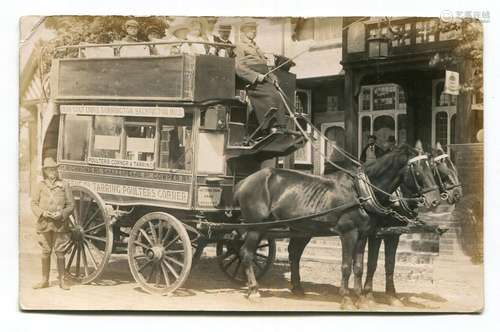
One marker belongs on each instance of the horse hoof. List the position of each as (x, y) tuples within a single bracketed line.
[(394, 301), (363, 303), (347, 304), (298, 291), (254, 296), (370, 298)]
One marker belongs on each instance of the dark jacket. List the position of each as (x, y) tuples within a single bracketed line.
[(379, 152), (52, 197)]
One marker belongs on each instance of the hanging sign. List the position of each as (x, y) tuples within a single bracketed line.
[(452, 83)]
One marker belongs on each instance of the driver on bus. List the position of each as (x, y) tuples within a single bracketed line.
[(251, 66)]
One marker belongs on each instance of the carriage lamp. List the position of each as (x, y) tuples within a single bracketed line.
[(378, 45)]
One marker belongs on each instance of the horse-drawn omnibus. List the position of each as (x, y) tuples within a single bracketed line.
[(152, 146)]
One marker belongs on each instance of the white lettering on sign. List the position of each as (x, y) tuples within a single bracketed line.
[(176, 196), (121, 162), (160, 111), (209, 196)]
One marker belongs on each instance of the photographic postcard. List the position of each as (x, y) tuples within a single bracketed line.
[(295, 164)]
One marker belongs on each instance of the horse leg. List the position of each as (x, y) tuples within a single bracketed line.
[(247, 254), (295, 249), (358, 271), (349, 241), (373, 251), (390, 248)]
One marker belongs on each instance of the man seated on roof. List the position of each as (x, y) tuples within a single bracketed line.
[(131, 28), (209, 27), (251, 66)]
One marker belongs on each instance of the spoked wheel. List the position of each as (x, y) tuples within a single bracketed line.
[(159, 253), (230, 261), (91, 239)]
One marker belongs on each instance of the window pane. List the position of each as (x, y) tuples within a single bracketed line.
[(336, 136), (383, 127), (175, 143), (140, 139), (402, 98), (444, 99), (384, 98), (76, 140), (452, 128), (365, 99), (365, 130), (402, 129), (107, 140), (441, 128)]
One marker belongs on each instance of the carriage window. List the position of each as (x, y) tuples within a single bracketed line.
[(140, 139), (107, 137), (175, 143), (76, 137)]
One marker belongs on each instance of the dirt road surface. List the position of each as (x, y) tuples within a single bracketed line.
[(209, 289)]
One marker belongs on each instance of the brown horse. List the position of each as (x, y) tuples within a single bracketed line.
[(283, 194), (446, 177)]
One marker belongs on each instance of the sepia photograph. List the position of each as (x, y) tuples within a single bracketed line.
[(251, 163)]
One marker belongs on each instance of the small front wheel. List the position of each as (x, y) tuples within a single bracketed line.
[(159, 253)]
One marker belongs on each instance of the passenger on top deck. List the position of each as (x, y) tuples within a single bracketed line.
[(131, 27), (154, 35), (210, 23), (223, 38), (196, 34), (179, 33)]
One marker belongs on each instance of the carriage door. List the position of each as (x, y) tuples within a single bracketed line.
[(335, 133), (444, 110), (382, 112)]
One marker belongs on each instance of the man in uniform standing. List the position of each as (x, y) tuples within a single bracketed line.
[(251, 66), (52, 204)]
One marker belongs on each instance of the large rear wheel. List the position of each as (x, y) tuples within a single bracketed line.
[(159, 253)]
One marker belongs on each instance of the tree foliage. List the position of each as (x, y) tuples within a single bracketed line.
[(469, 48), (73, 30)]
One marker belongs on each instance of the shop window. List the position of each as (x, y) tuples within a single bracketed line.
[(444, 99), (365, 129), (140, 139), (76, 137), (107, 137), (402, 126), (175, 143), (452, 128), (384, 97), (441, 125), (365, 99), (383, 127), (336, 136)]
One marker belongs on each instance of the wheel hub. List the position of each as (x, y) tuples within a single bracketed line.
[(156, 253), (77, 233)]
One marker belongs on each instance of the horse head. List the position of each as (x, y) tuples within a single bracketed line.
[(446, 176), (418, 177)]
